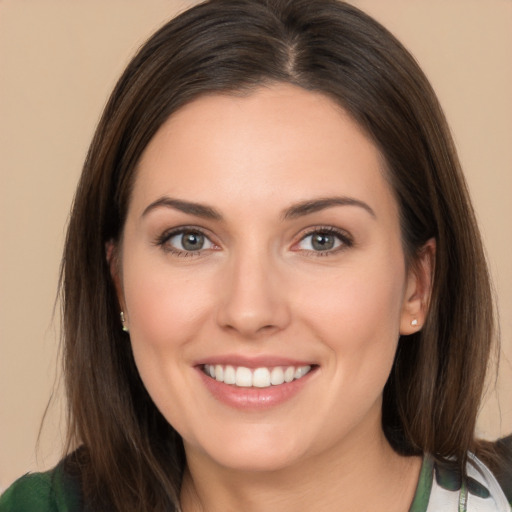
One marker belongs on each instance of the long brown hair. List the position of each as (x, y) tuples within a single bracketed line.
[(132, 458)]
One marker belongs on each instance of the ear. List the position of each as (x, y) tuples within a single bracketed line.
[(112, 255), (418, 289)]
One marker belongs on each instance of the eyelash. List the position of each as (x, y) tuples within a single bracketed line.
[(164, 238), (343, 237)]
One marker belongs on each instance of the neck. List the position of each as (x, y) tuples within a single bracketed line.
[(362, 474)]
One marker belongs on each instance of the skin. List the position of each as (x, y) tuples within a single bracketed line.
[(259, 288)]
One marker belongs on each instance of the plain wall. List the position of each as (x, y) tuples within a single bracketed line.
[(59, 61)]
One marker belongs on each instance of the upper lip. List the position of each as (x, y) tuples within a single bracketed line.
[(263, 361)]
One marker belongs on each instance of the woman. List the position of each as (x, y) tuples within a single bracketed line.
[(271, 279)]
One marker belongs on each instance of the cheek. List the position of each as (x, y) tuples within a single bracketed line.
[(357, 313), (166, 312), (367, 296), (163, 304)]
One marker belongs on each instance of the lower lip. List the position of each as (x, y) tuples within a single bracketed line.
[(254, 398)]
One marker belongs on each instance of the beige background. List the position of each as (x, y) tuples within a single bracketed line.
[(59, 60)]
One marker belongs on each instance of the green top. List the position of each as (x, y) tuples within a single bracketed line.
[(440, 489), (52, 491)]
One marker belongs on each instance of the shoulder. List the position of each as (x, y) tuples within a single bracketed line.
[(51, 491), (30, 492), (478, 472), (503, 470), (481, 489)]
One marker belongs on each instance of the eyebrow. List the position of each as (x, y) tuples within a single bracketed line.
[(295, 211), (316, 205), (197, 209)]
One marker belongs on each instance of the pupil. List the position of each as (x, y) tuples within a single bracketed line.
[(322, 242), (192, 241)]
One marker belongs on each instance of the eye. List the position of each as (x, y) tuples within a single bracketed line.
[(185, 242), (324, 240)]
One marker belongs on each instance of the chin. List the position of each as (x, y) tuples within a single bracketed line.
[(257, 462), (252, 454)]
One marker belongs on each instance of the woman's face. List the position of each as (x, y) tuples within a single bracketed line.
[(262, 277)]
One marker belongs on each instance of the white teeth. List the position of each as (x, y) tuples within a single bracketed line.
[(276, 376), (243, 377), (229, 375), (289, 374), (259, 377), (301, 371)]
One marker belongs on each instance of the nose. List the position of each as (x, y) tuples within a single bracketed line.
[(253, 300)]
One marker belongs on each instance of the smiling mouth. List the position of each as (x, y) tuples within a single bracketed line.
[(240, 376)]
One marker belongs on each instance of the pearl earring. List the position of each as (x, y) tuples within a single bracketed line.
[(414, 322), (123, 321)]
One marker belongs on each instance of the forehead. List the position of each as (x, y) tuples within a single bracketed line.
[(279, 142)]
